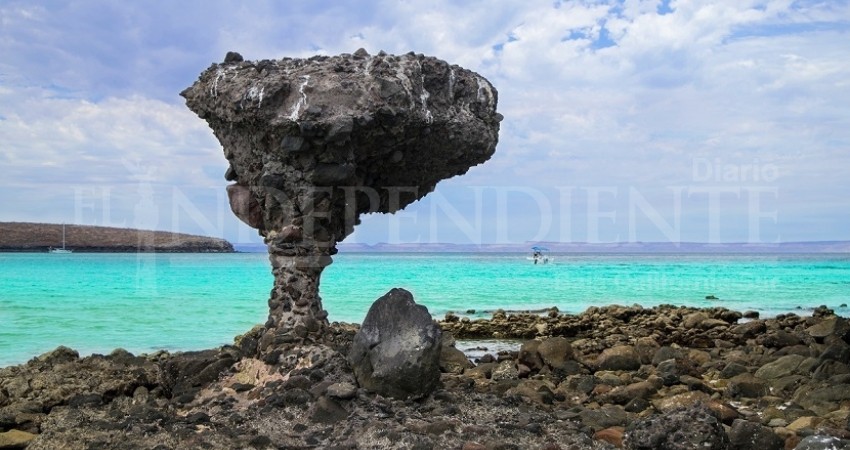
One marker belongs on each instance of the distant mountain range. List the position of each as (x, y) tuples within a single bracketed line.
[(583, 247), (39, 237)]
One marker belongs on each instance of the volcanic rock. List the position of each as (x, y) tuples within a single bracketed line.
[(622, 357), (192, 400), (555, 352), (746, 435), (747, 385), (684, 429), (396, 352), (313, 143), (13, 439)]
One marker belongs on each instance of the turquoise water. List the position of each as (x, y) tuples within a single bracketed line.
[(145, 302)]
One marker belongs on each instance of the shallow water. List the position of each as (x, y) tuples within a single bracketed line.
[(145, 302)]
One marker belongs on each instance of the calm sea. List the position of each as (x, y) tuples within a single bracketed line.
[(97, 302)]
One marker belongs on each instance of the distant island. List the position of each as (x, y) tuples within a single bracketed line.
[(40, 237)]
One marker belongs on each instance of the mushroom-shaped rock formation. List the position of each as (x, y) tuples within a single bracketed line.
[(313, 143)]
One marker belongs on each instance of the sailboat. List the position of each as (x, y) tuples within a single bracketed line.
[(63, 249)]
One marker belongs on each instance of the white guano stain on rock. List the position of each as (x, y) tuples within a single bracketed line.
[(302, 100), (255, 94), (485, 94)]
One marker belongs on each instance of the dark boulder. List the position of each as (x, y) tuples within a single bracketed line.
[(621, 357), (746, 385), (692, 428), (396, 352), (746, 435), (555, 352)]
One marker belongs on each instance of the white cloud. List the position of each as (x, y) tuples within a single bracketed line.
[(56, 140), (594, 93)]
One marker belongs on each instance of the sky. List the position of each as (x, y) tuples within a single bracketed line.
[(653, 121)]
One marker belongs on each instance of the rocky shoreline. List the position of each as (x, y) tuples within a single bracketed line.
[(611, 377)]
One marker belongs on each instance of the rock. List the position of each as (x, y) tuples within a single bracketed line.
[(698, 357), (244, 205), (637, 405), (837, 352), (529, 356), (781, 339), (821, 399), (782, 367), (806, 422), (829, 369), (708, 324), (621, 357), (669, 371), (60, 355), (537, 391), (680, 401), (14, 439), (327, 411), (85, 400), (453, 360), (185, 373), (506, 370), (693, 320), (396, 352), (298, 382), (233, 57), (729, 316), (821, 442), (605, 417), (198, 417), (749, 330), (555, 352), (481, 371), (317, 142), (646, 347), (666, 353), (682, 429), (723, 411), (579, 383), (612, 435), (624, 394), (732, 369), (344, 390), (777, 422), (831, 326), (746, 385), (746, 435)]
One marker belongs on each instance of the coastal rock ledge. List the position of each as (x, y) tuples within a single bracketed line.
[(703, 379)]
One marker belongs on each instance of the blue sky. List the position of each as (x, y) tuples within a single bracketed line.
[(709, 121)]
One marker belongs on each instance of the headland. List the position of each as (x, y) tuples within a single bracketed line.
[(40, 237)]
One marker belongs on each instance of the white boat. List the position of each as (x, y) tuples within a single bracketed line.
[(63, 249), (540, 255)]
